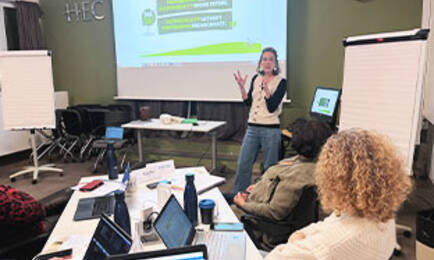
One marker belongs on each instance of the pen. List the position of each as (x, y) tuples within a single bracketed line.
[(176, 187)]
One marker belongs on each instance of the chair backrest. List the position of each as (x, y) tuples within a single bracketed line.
[(267, 233), (306, 210), (85, 119), (71, 120)]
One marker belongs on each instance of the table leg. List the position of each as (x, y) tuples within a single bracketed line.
[(139, 144), (213, 150)]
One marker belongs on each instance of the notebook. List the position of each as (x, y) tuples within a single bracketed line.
[(108, 239), (89, 208), (176, 230), (197, 252)]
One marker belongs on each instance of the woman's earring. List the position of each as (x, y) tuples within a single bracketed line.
[(275, 69)]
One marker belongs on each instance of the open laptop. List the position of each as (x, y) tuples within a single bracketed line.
[(176, 230), (108, 239), (89, 208), (325, 104), (197, 252), (114, 133)]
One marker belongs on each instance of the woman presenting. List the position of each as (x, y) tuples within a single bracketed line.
[(265, 96)]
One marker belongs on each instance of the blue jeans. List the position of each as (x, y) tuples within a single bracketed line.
[(256, 137)]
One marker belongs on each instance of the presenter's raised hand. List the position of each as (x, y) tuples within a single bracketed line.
[(241, 82), (240, 79)]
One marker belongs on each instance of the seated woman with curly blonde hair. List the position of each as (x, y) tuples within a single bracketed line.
[(362, 180)]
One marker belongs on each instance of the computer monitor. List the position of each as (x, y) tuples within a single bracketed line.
[(197, 252), (324, 104), (108, 239)]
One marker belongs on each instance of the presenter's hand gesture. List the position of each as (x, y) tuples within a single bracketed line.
[(240, 79)]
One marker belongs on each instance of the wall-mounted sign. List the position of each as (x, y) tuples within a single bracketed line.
[(86, 10)]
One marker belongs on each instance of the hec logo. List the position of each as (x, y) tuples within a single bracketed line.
[(86, 10)]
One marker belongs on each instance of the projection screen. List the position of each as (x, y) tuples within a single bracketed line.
[(189, 49)]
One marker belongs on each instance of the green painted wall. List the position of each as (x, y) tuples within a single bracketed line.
[(83, 53), (316, 31), (84, 63)]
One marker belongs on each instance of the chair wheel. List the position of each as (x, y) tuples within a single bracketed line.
[(13, 179), (61, 174), (407, 233), (34, 181), (397, 252)]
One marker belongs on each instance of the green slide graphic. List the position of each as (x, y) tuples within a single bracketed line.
[(213, 49), (325, 111)]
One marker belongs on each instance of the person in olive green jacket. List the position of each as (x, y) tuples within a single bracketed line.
[(280, 188)]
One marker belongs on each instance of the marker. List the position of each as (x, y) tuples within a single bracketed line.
[(176, 187)]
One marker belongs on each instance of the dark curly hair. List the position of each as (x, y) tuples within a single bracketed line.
[(308, 138)]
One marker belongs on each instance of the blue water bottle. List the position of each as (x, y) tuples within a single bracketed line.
[(122, 217), (190, 199), (112, 166)]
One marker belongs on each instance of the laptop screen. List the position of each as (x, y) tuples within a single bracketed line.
[(112, 132), (324, 103), (108, 239), (173, 225), (197, 252)]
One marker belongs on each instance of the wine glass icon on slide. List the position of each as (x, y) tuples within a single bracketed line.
[(148, 19)]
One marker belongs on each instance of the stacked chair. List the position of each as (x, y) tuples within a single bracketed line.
[(80, 129)]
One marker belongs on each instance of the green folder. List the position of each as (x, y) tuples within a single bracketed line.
[(189, 121)]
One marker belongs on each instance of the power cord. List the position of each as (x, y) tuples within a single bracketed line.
[(147, 224)]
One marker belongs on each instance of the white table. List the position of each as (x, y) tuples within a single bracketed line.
[(155, 124), (66, 227)]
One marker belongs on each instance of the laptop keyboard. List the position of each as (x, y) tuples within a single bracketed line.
[(102, 205), (216, 243)]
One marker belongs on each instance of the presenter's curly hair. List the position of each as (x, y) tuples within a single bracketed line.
[(276, 69), (360, 173)]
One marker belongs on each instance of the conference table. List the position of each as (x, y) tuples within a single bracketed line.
[(202, 126), (77, 234)]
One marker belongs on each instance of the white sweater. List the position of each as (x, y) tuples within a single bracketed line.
[(341, 238)]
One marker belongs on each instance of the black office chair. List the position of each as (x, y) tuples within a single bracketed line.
[(304, 213), (72, 127)]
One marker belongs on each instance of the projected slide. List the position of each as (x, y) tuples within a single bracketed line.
[(179, 33)]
